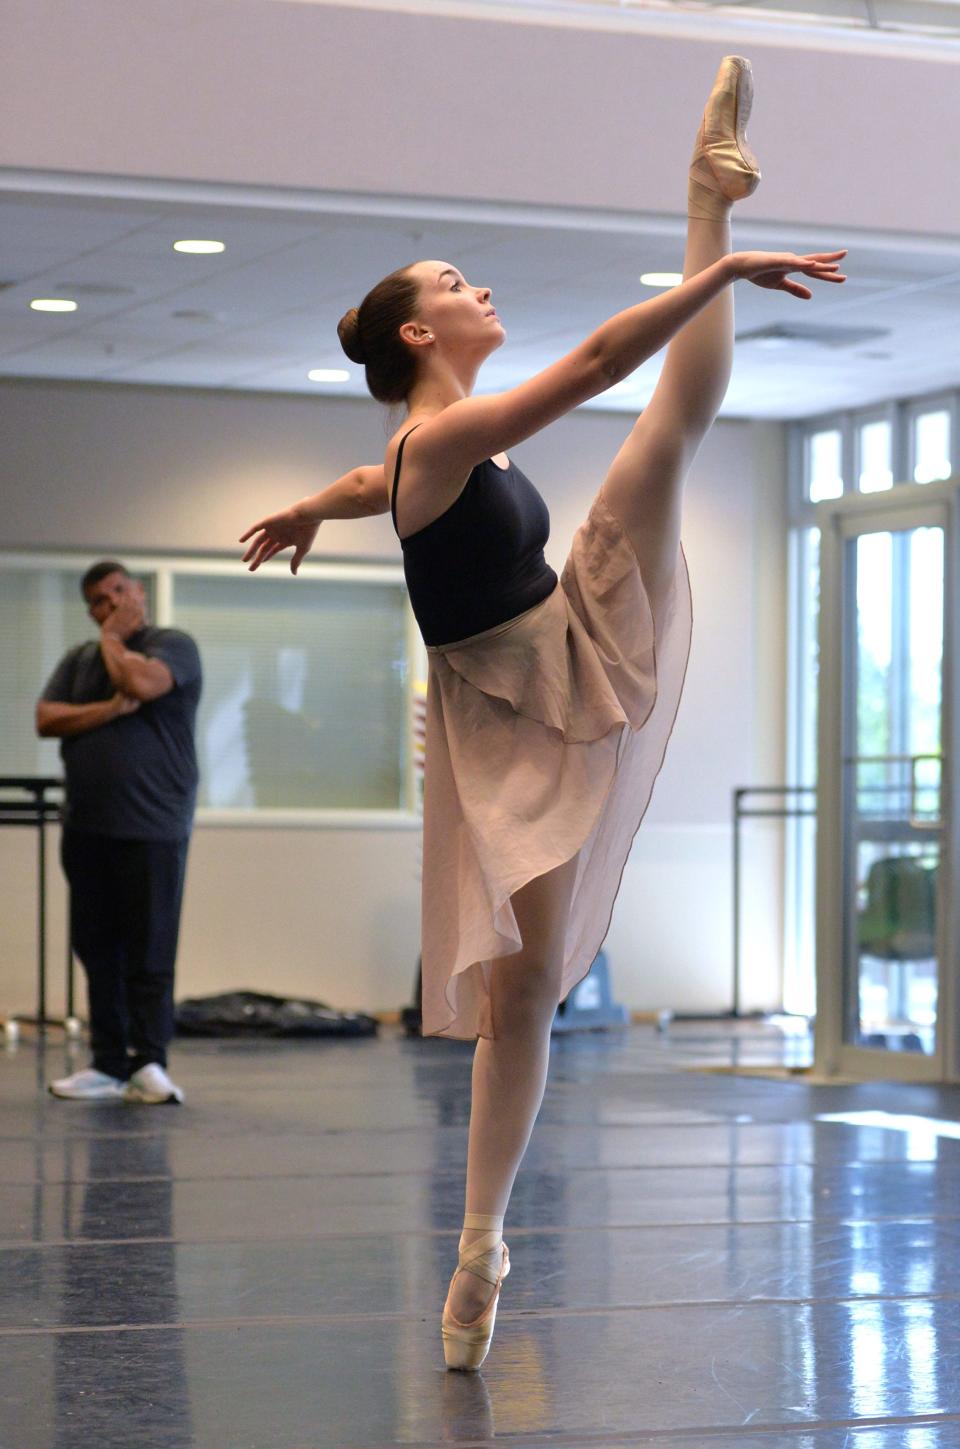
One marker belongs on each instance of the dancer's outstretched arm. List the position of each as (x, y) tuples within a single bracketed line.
[(475, 428), (361, 493)]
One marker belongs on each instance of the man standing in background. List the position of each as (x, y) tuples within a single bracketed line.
[(124, 708)]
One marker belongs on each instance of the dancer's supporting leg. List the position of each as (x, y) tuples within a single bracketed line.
[(645, 484), (643, 490), (510, 1070)]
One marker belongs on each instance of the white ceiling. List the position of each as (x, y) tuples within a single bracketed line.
[(909, 25), (263, 313)]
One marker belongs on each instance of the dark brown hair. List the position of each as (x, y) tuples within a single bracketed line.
[(370, 336), (99, 571)]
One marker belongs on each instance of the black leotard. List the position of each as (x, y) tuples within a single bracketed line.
[(481, 562)]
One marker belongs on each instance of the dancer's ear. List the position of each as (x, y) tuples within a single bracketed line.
[(416, 335)]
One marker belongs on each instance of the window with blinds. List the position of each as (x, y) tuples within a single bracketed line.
[(306, 681), (42, 615), (305, 688)]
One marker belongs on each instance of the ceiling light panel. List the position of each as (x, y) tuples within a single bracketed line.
[(244, 234), (53, 304), (200, 248)]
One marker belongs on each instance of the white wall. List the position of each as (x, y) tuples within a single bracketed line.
[(278, 94), (335, 913), (281, 94)]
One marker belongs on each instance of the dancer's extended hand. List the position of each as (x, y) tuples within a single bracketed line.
[(281, 530), (772, 269)]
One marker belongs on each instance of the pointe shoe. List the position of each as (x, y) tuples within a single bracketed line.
[(465, 1345), (723, 169)]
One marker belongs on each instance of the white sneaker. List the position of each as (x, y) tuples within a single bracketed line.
[(152, 1085), (88, 1086)]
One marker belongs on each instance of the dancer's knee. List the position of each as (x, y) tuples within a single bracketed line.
[(525, 999)]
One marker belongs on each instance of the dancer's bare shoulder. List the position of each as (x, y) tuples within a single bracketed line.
[(423, 492)]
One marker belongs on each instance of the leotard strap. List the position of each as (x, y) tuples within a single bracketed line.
[(396, 478)]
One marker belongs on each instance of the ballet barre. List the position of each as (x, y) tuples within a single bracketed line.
[(740, 813), (25, 802)]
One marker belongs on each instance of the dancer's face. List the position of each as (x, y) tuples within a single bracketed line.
[(453, 316)]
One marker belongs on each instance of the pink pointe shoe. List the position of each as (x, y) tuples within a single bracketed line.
[(723, 169), (466, 1345)]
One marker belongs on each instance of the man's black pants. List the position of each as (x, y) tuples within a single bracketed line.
[(125, 898)]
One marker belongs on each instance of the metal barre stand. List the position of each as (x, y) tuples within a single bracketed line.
[(24, 801), (739, 813), (735, 1012)]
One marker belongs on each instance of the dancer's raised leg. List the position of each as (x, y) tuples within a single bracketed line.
[(645, 483), (509, 1074)]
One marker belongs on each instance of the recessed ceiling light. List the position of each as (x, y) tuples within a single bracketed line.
[(53, 304), (200, 248), (328, 374), (661, 279)]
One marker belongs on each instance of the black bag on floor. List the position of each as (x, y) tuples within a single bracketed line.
[(255, 1014)]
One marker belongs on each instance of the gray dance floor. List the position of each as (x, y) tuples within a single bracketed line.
[(698, 1261)]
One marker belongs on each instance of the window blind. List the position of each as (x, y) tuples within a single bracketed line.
[(305, 688), (41, 616)]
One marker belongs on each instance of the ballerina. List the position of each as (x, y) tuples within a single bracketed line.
[(550, 702)]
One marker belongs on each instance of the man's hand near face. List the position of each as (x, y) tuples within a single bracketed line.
[(127, 617), (134, 675)]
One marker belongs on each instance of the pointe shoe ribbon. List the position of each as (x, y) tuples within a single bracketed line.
[(465, 1345), (723, 169)]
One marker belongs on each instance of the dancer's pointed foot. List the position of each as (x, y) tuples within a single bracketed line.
[(469, 1291), (483, 1261), (723, 169)]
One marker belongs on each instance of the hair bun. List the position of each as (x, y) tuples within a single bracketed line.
[(348, 330)]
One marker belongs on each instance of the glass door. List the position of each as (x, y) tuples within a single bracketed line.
[(885, 931), (892, 789)]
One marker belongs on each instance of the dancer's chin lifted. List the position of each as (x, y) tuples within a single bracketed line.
[(723, 169)]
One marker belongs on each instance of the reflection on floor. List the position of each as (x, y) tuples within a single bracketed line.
[(774, 1044), (698, 1261)]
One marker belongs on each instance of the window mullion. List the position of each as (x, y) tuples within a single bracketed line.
[(848, 451), (163, 611), (901, 443)]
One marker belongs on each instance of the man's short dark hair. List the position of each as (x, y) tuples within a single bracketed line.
[(99, 571)]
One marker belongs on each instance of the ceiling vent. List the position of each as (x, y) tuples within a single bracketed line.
[(93, 289), (810, 334)]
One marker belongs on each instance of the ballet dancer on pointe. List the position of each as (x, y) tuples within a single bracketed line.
[(550, 703)]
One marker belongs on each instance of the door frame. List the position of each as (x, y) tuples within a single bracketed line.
[(906, 506)]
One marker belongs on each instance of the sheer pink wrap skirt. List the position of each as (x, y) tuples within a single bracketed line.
[(544, 737)]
